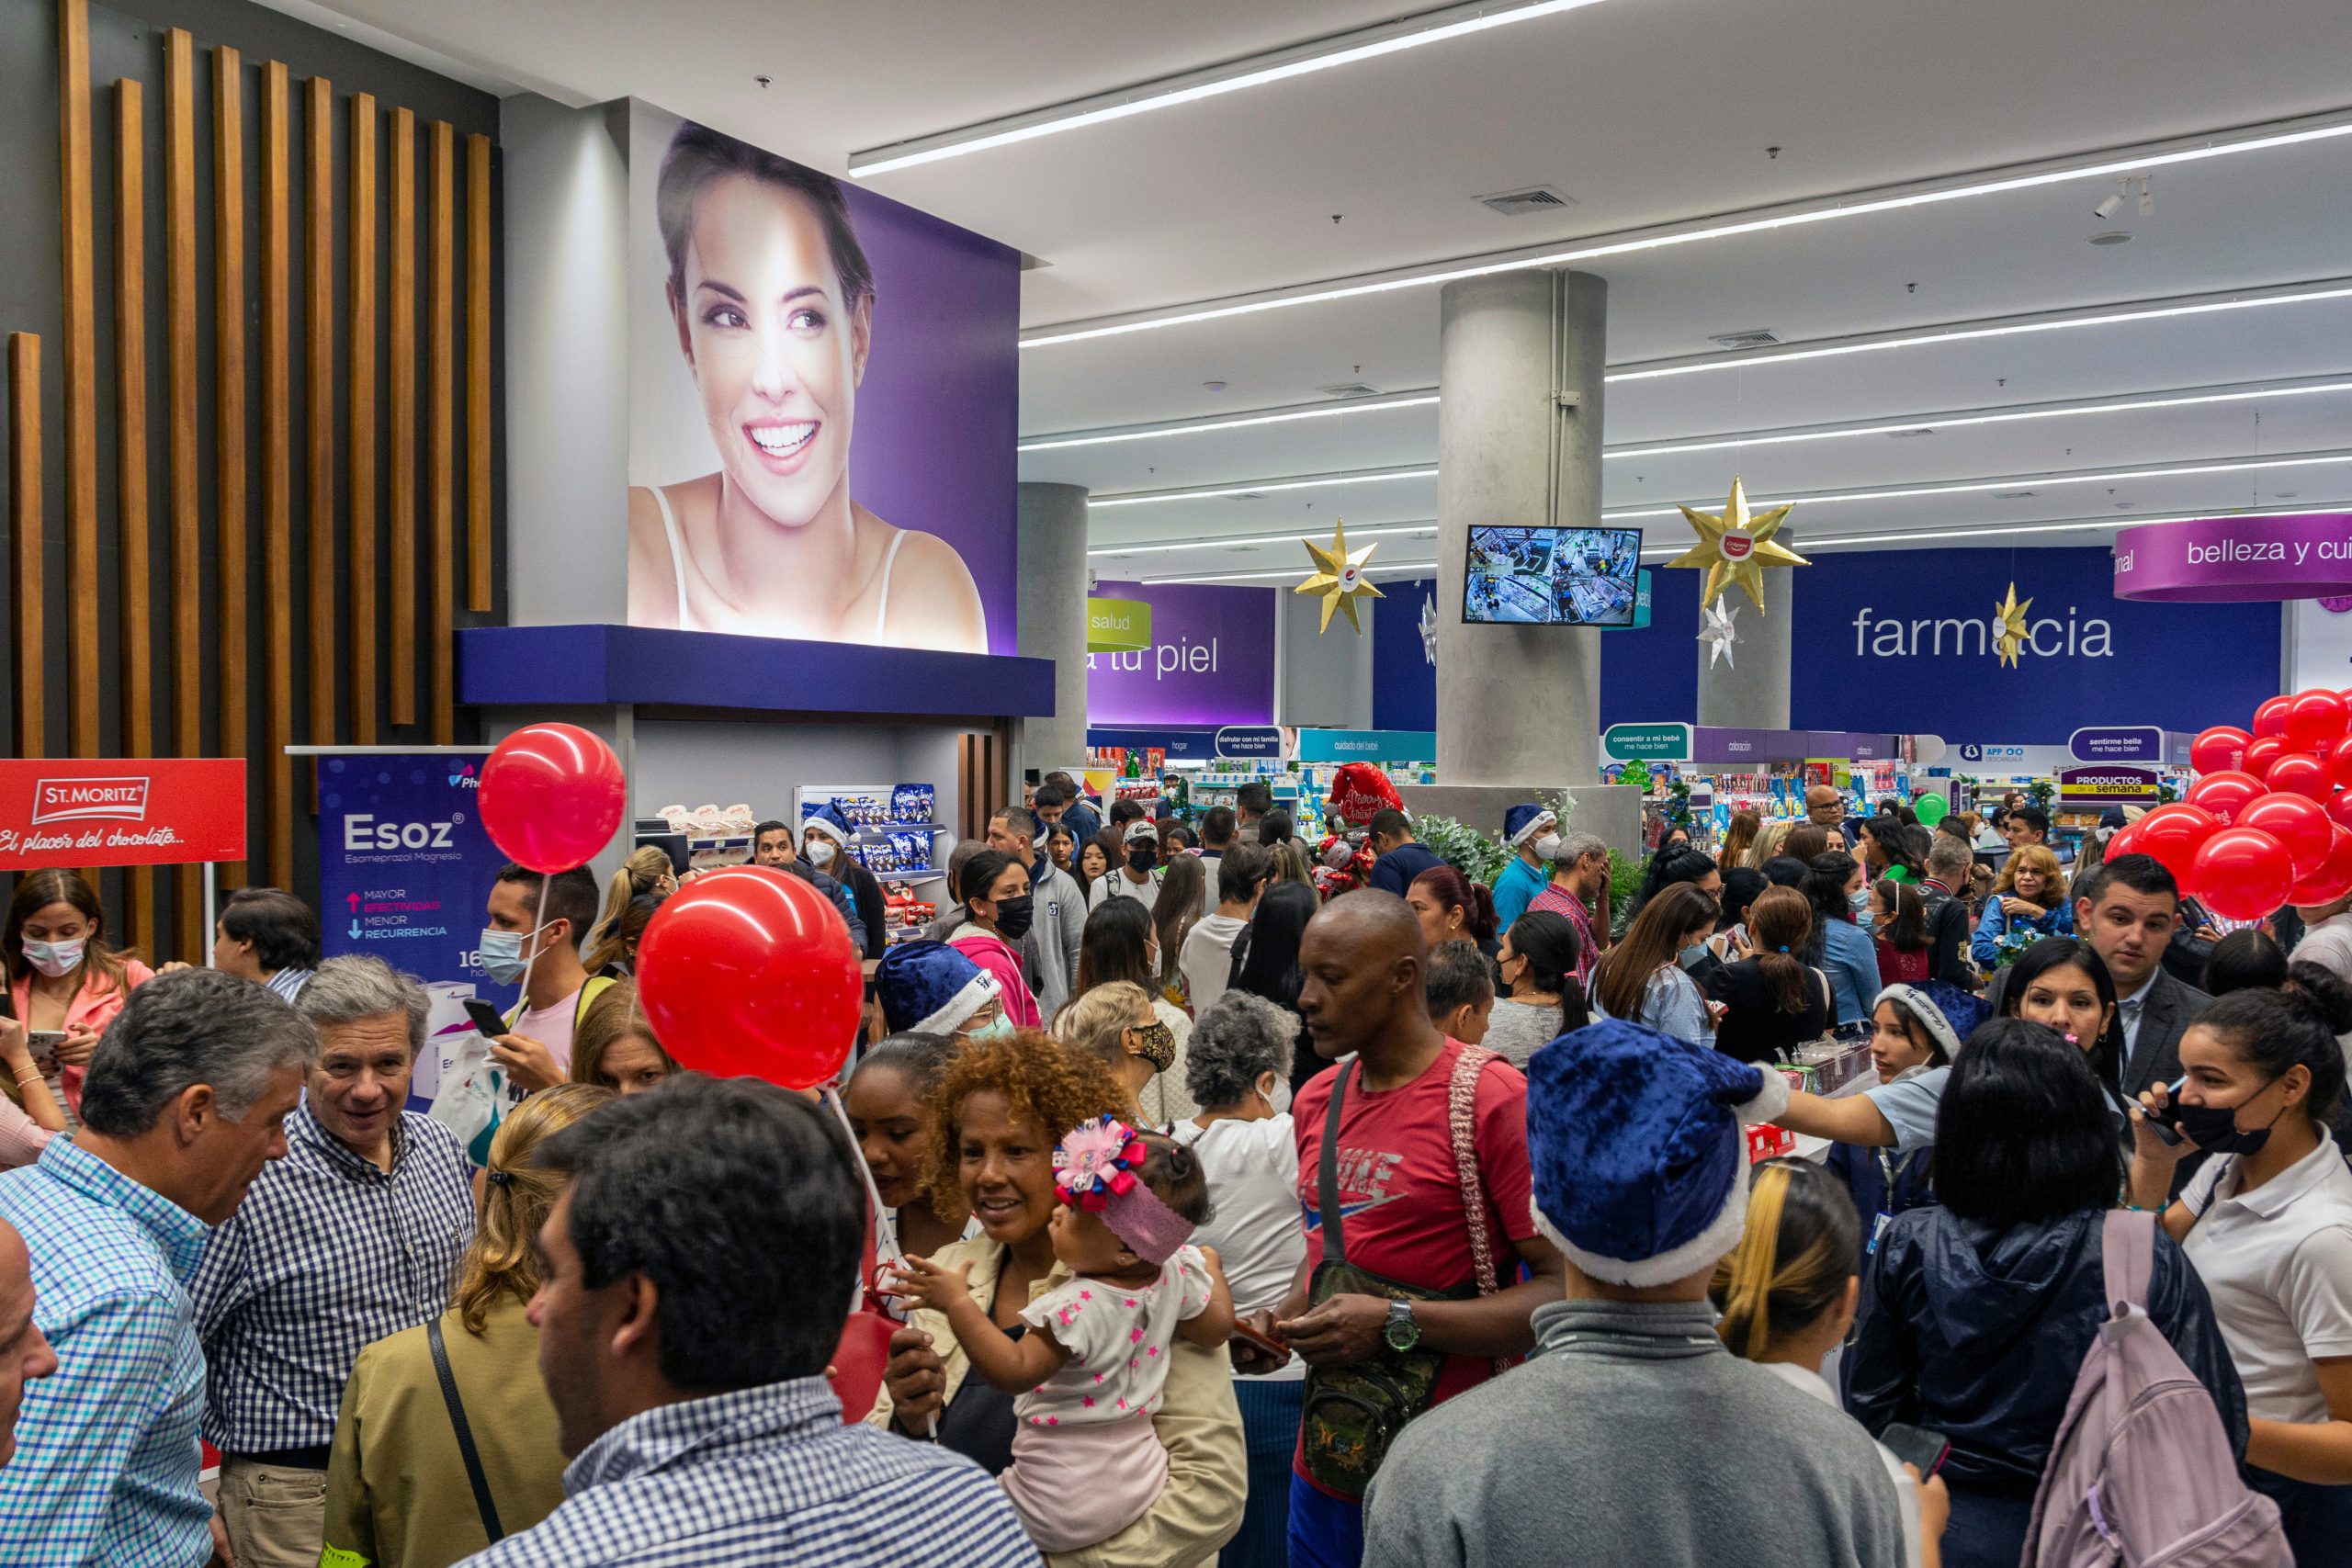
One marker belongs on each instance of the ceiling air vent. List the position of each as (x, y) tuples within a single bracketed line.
[(1911, 433), (1249, 495), (1520, 203), (1756, 338), (2014, 495), (1350, 389)]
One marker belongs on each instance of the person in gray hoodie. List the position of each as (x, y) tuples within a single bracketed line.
[(1633, 1436)]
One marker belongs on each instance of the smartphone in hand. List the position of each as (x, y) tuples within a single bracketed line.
[(1917, 1446), (487, 1019), (42, 1043), (2166, 1123)]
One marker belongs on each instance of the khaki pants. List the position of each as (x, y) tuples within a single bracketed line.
[(276, 1516)]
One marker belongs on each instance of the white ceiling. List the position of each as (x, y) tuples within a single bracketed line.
[(1644, 111)]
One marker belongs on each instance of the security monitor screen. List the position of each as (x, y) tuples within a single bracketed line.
[(1576, 577)]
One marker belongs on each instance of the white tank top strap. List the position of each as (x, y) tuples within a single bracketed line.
[(677, 550), (882, 605)]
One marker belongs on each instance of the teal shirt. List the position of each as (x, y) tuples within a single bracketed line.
[(1515, 890)]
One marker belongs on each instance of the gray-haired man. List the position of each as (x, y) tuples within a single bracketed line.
[(184, 1102), (353, 1236), (1579, 890)]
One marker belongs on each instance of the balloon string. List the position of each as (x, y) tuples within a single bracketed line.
[(874, 1196), (538, 924)]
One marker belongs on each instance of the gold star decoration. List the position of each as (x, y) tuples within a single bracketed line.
[(1338, 577), (2009, 632), (1736, 549)]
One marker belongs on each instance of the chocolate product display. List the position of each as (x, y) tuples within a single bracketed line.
[(913, 802)]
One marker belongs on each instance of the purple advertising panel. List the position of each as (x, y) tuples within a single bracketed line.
[(2225, 559), (1713, 744), (1211, 659), (824, 392)]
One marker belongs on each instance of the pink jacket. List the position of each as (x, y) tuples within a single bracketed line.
[(93, 1006), (1003, 960)]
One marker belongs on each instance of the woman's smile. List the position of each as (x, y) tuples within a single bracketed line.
[(783, 445)]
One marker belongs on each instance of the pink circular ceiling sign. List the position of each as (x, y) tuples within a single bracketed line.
[(2227, 560)]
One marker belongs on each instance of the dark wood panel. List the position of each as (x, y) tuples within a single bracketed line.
[(440, 434), (25, 582), (477, 575), (136, 700), (81, 375), (402, 497), (277, 472), (228, 520), (361, 257), (187, 550), (318, 387)]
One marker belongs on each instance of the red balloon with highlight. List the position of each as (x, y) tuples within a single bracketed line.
[(2298, 822), (2262, 755), (2270, 718), (2331, 881), (2223, 793), (2298, 773), (2313, 717), (2170, 834), (2218, 749), (551, 795), (2243, 874)]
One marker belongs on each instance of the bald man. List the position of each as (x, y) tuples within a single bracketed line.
[(1401, 1207), (25, 1355), (1823, 806)]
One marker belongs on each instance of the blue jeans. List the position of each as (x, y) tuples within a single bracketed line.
[(1325, 1531), (1987, 1528), (1270, 1412), (2318, 1519)]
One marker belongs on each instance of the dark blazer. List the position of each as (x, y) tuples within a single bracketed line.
[(2165, 1017)]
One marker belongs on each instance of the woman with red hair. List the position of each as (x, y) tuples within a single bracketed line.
[(1451, 907)]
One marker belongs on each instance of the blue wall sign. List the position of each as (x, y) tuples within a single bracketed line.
[(405, 870), (1367, 746)]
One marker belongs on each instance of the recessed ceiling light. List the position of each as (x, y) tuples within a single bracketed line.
[(1213, 386), (2285, 494), (2112, 237)]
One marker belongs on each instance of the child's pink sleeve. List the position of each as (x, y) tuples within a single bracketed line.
[(1076, 1317), (1195, 1285)]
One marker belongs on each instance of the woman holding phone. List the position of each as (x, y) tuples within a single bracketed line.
[(64, 980)]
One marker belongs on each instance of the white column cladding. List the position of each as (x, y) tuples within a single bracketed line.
[(1750, 689), (1052, 609), (1520, 357)]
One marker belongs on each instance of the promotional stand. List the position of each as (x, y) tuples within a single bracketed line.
[(124, 811)]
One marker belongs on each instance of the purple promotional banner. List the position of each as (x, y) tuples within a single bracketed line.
[(2231, 559), (1713, 744), (823, 404), (1211, 662)]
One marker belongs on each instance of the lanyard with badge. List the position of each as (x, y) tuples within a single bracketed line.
[(1891, 1171)]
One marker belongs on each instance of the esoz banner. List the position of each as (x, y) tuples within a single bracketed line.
[(405, 869), (122, 811), (823, 404), (1210, 662)]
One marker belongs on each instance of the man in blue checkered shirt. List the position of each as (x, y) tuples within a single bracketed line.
[(698, 1270), (186, 1100), (353, 1236)]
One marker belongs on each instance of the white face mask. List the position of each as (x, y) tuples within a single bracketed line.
[(821, 852), (1280, 1099), (1548, 847), (54, 958)]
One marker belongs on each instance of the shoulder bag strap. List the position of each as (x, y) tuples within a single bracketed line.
[(1327, 1172), (466, 1449), (2128, 1256), (1462, 1121)]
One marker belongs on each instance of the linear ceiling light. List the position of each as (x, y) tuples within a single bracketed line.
[(1856, 204), (1303, 481), (1170, 546), (1192, 86), (1236, 421)]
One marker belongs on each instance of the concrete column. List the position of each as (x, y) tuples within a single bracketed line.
[(1052, 557), (1322, 679), (1751, 692), (1519, 356)]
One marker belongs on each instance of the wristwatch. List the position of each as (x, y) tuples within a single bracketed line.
[(1402, 1332)]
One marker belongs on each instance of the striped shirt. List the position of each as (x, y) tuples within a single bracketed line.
[(326, 1256), (289, 983), (107, 1457), (766, 1476)]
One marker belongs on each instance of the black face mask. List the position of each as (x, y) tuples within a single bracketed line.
[(1013, 915), (1141, 859), (2215, 1128)]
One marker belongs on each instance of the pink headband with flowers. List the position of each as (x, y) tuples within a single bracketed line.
[(1095, 1169)]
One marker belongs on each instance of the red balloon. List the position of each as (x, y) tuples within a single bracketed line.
[(2126, 842), (2223, 793), (750, 971), (2313, 717), (2243, 874), (2172, 835), (2262, 755), (2340, 809), (2296, 821), (2339, 768), (2332, 880), (2299, 774), (2218, 749), (859, 1362), (2270, 718), (551, 795)]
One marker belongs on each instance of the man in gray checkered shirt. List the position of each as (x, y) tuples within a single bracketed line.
[(353, 1236)]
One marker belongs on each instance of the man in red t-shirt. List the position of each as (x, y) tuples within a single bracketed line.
[(1401, 1192)]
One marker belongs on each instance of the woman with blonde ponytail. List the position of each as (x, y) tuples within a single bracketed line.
[(1788, 1296), (397, 1490), (646, 870)]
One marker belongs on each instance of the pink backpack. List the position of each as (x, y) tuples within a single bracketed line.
[(2141, 1473)]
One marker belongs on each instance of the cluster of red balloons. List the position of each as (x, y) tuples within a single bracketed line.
[(742, 971), (2268, 821)]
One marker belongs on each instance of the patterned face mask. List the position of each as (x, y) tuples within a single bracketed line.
[(1156, 1043)]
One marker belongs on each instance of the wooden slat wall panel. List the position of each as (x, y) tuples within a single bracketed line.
[(179, 331), (440, 476), (401, 500), (318, 385), (229, 400), (276, 475), (361, 257), (478, 585), (135, 636), (80, 369), (25, 582)]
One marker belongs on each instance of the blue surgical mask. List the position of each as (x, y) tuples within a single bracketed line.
[(1693, 955), (54, 958), (501, 956)]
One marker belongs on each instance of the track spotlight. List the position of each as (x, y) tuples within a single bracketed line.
[(2111, 206)]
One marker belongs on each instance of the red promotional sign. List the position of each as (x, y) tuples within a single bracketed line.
[(122, 811)]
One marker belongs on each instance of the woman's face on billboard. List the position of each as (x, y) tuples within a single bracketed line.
[(774, 348)]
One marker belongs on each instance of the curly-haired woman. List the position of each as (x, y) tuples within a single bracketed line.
[(997, 1116)]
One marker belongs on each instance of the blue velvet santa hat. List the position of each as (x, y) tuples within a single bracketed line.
[(929, 988), (1521, 823), (1639, 1162), (827, 820)]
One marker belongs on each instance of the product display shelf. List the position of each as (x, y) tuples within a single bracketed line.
[(808, 796)]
